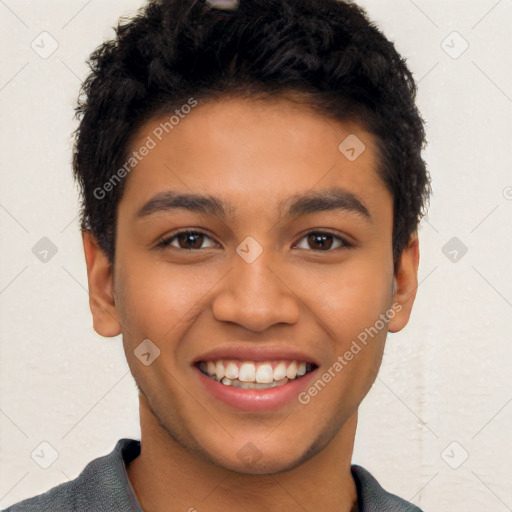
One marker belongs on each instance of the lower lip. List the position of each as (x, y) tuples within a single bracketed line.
[(256, 399)]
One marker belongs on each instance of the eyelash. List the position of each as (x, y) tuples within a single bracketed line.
[(166, 242)]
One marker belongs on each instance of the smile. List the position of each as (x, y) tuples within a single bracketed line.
[(254, 374)]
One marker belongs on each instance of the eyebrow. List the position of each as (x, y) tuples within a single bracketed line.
[(319, 201)]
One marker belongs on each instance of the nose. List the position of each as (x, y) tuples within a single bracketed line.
[(256, 295)]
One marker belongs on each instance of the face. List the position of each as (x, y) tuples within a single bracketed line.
[(280, 263)]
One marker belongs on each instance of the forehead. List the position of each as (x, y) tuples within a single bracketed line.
[(253, 154)]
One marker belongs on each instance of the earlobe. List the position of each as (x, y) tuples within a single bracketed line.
[(405, 284), (101, 291)]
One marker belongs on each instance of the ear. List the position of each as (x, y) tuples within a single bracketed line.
[(405, 284), (101, 289)]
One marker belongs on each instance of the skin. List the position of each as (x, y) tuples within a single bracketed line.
[(252, 154)]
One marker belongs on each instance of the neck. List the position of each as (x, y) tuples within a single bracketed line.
[(166, 472)]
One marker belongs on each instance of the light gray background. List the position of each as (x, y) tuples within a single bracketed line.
[(445, 388)]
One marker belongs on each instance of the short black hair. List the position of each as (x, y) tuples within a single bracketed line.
[(326, 51)]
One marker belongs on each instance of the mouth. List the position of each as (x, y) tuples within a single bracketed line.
[(252, 375)]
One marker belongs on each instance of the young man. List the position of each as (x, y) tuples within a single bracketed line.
[(252, 185)]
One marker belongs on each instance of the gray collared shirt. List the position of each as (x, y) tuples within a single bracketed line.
[(103, 486)]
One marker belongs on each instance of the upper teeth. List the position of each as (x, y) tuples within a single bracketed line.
[(249, 371)]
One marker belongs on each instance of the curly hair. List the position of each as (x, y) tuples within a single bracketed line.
[(328, 51)]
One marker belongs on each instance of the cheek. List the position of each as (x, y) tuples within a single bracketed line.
[(353, 297), (354, 306), (156, 297)]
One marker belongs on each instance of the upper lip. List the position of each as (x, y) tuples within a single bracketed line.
[(255, 353)]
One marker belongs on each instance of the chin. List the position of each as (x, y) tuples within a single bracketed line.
[(270, 464), (268, 460)]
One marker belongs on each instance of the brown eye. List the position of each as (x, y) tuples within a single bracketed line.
[(190, 240), (187, 240), (322, 241)]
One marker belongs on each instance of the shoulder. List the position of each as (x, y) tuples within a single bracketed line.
[(101, 486), (373, 498)]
